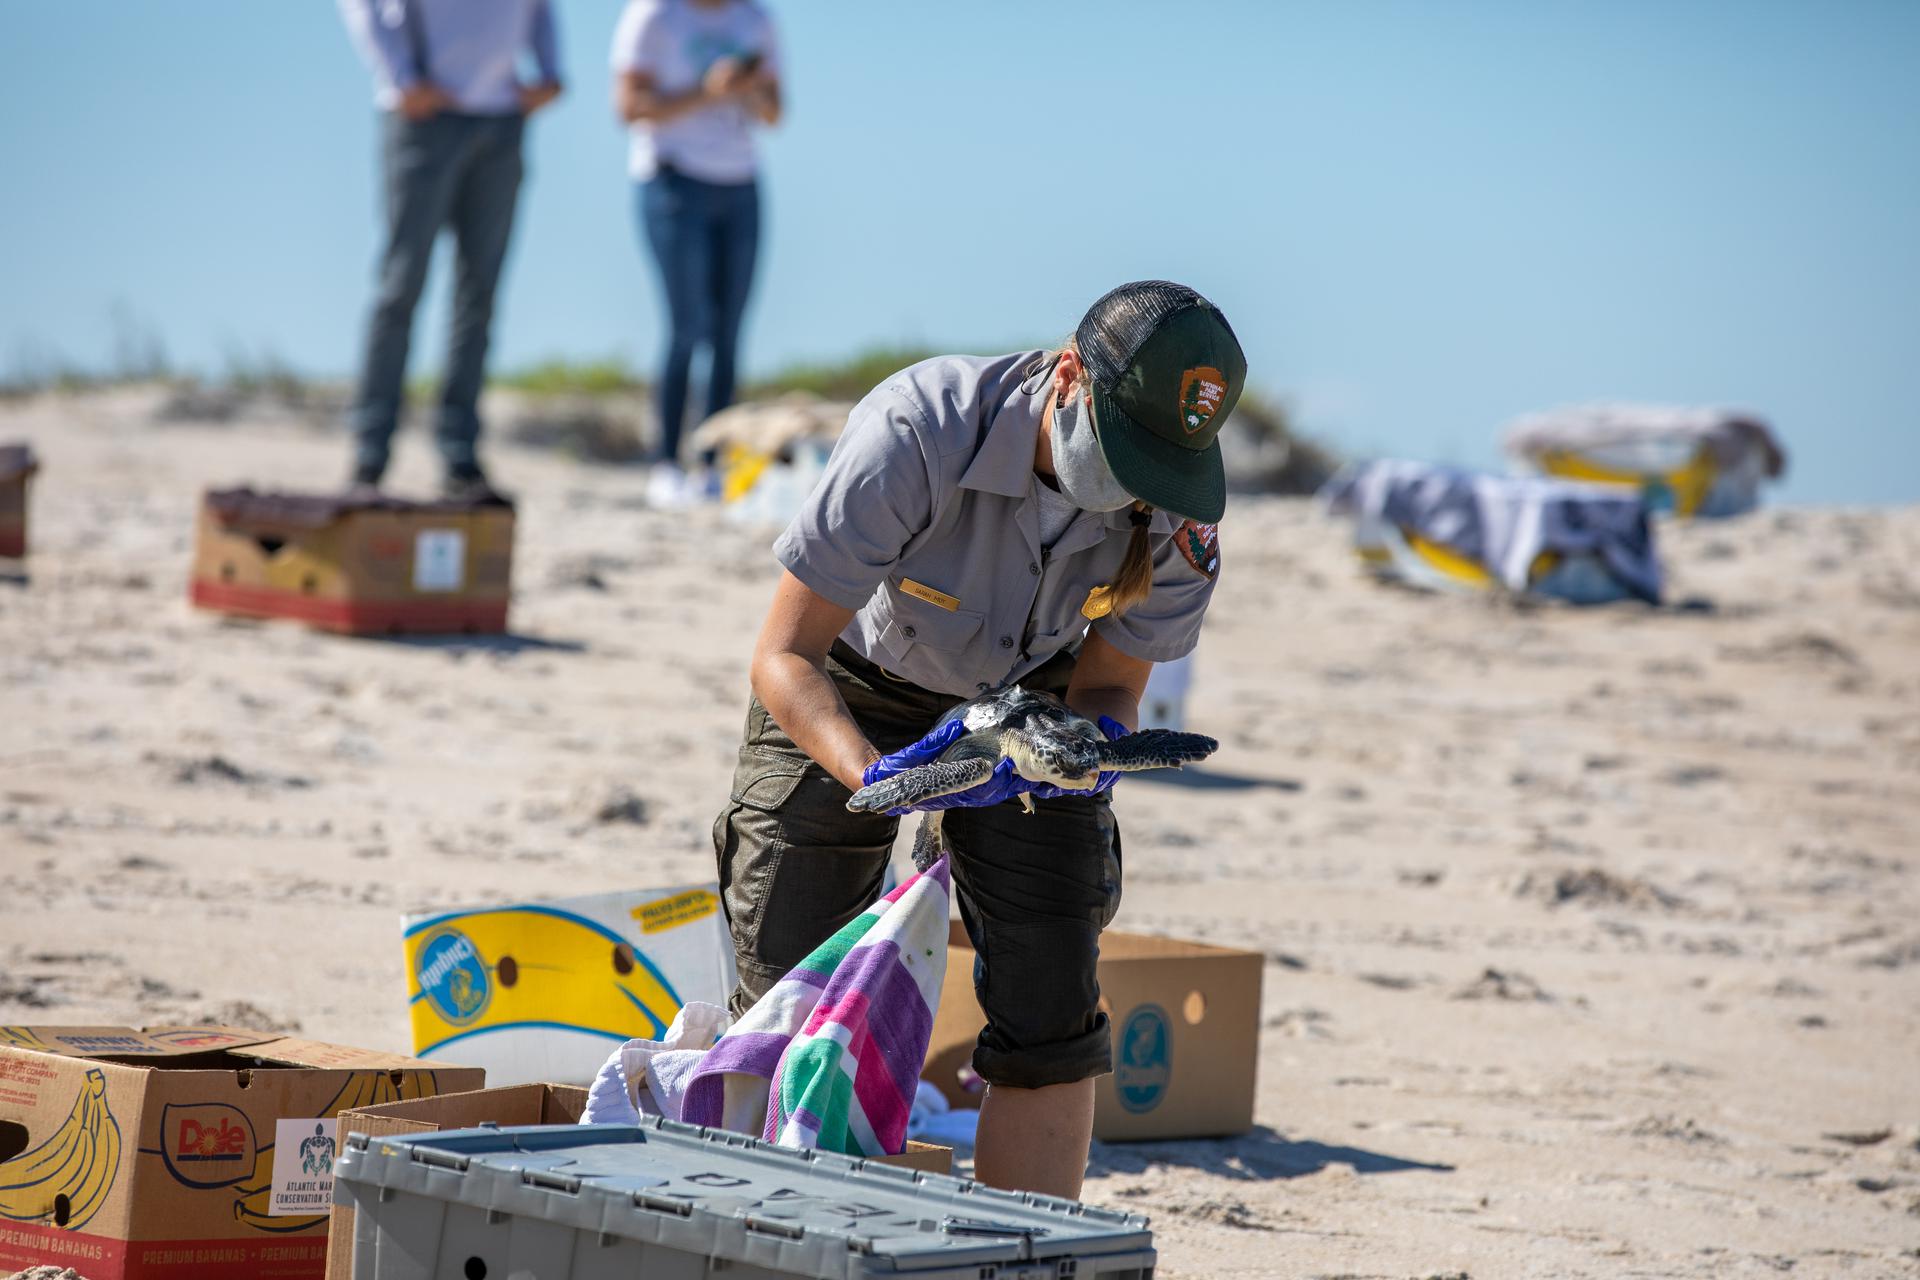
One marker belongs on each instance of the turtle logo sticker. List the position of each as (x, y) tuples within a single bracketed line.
[(1200, 544), (1202, 388), (1146, 1059), (316, 1153)]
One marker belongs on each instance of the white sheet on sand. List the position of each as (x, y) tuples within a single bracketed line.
[(934, 1119), (1502, 523)]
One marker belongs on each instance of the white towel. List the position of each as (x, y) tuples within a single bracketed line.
[(648, 1077)]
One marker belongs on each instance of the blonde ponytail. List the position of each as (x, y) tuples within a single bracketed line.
[(1134, 582)]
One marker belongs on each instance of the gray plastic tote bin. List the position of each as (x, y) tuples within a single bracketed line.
[(670, 1201)]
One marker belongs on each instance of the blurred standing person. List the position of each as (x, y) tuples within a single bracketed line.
[(447, 80), (692, 78)]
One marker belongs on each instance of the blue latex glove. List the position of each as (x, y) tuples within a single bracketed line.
[(1104, 782), (1003, 785)]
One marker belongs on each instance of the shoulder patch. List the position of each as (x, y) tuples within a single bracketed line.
[(1200, 544)]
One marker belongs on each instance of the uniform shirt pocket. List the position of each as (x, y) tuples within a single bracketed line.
[(911, 621), (1047, 643)]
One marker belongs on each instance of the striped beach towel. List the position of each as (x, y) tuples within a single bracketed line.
[(830, 1056)]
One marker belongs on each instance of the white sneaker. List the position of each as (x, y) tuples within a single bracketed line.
[(666, 487)]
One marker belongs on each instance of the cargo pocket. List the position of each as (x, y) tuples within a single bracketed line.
[(794, 864), (748, 839)]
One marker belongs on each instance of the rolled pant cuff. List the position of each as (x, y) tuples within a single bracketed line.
[(1062, 1062)]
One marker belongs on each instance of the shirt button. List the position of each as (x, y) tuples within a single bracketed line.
[(910, 633), (1006, 642), (1034, 569), (982, 686)]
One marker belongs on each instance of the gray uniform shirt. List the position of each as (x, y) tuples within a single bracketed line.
[(926, 524)]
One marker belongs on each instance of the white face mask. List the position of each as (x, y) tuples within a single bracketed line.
[(1077, 462)]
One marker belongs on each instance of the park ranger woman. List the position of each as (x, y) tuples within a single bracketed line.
[(1042, 517)]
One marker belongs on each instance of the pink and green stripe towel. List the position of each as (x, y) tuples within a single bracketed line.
[(834, 1050)]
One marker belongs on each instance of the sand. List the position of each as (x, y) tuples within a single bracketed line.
[(1594, 936)]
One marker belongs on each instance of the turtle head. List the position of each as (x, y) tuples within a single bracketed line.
[(1051, 750)]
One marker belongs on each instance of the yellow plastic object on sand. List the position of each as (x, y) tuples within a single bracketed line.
[(1685, 488), (1452, 567), (740, 469)]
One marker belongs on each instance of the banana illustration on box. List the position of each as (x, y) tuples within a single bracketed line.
[(25, 1038), (531, 967), (253, 1197), (68, 1177)]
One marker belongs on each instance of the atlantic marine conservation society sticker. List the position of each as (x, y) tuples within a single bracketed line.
[(303, 1152), (439, 560)]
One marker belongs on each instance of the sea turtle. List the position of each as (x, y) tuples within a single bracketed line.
[(1046, 742)]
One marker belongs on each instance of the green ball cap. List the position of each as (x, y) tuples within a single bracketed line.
[(1166, 371)]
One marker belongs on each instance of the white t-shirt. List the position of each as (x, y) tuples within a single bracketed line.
[(1055, 511), (674, 42)]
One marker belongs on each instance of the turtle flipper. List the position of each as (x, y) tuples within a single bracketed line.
[(1155, 749), (924, 782), (929, 842)]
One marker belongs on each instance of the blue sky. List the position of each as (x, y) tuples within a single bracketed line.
[(1422, 218)]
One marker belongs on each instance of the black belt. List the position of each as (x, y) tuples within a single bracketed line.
[(844, 654)]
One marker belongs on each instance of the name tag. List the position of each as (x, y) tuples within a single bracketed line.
[(921, 591)]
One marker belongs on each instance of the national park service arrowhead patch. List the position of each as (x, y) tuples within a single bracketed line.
[(1200, 544), (1201, 390)]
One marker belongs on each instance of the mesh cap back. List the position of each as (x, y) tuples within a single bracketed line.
[(1166, 371), (1114, 328)]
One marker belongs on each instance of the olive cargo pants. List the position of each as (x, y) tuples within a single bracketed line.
[(1035, 890)]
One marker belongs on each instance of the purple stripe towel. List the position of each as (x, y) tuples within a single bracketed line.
[(829, 1057)]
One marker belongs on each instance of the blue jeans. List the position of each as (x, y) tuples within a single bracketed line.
[(452, 171), (704, 237)]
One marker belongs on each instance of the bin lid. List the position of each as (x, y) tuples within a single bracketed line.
[(840, 1215)]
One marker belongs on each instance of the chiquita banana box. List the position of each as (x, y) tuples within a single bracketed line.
[(181, 1153), (545, 991)]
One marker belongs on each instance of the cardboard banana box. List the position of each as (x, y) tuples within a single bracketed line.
[(181, 1153), (17, 468), (361, 565), (1185, 1020)]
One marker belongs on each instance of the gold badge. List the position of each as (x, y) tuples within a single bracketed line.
[(921, 591), (1099, 603)]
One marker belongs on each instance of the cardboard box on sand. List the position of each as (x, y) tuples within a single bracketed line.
[(1186, 1035), (181, 1153), (364, 565)]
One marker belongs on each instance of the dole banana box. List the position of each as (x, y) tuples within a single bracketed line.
[(181, 1153), (1185, 1022), (364, 565), (17, 468), (538, 991), (523, 1104)]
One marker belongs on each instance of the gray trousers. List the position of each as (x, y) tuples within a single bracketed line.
[(452, 171)]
